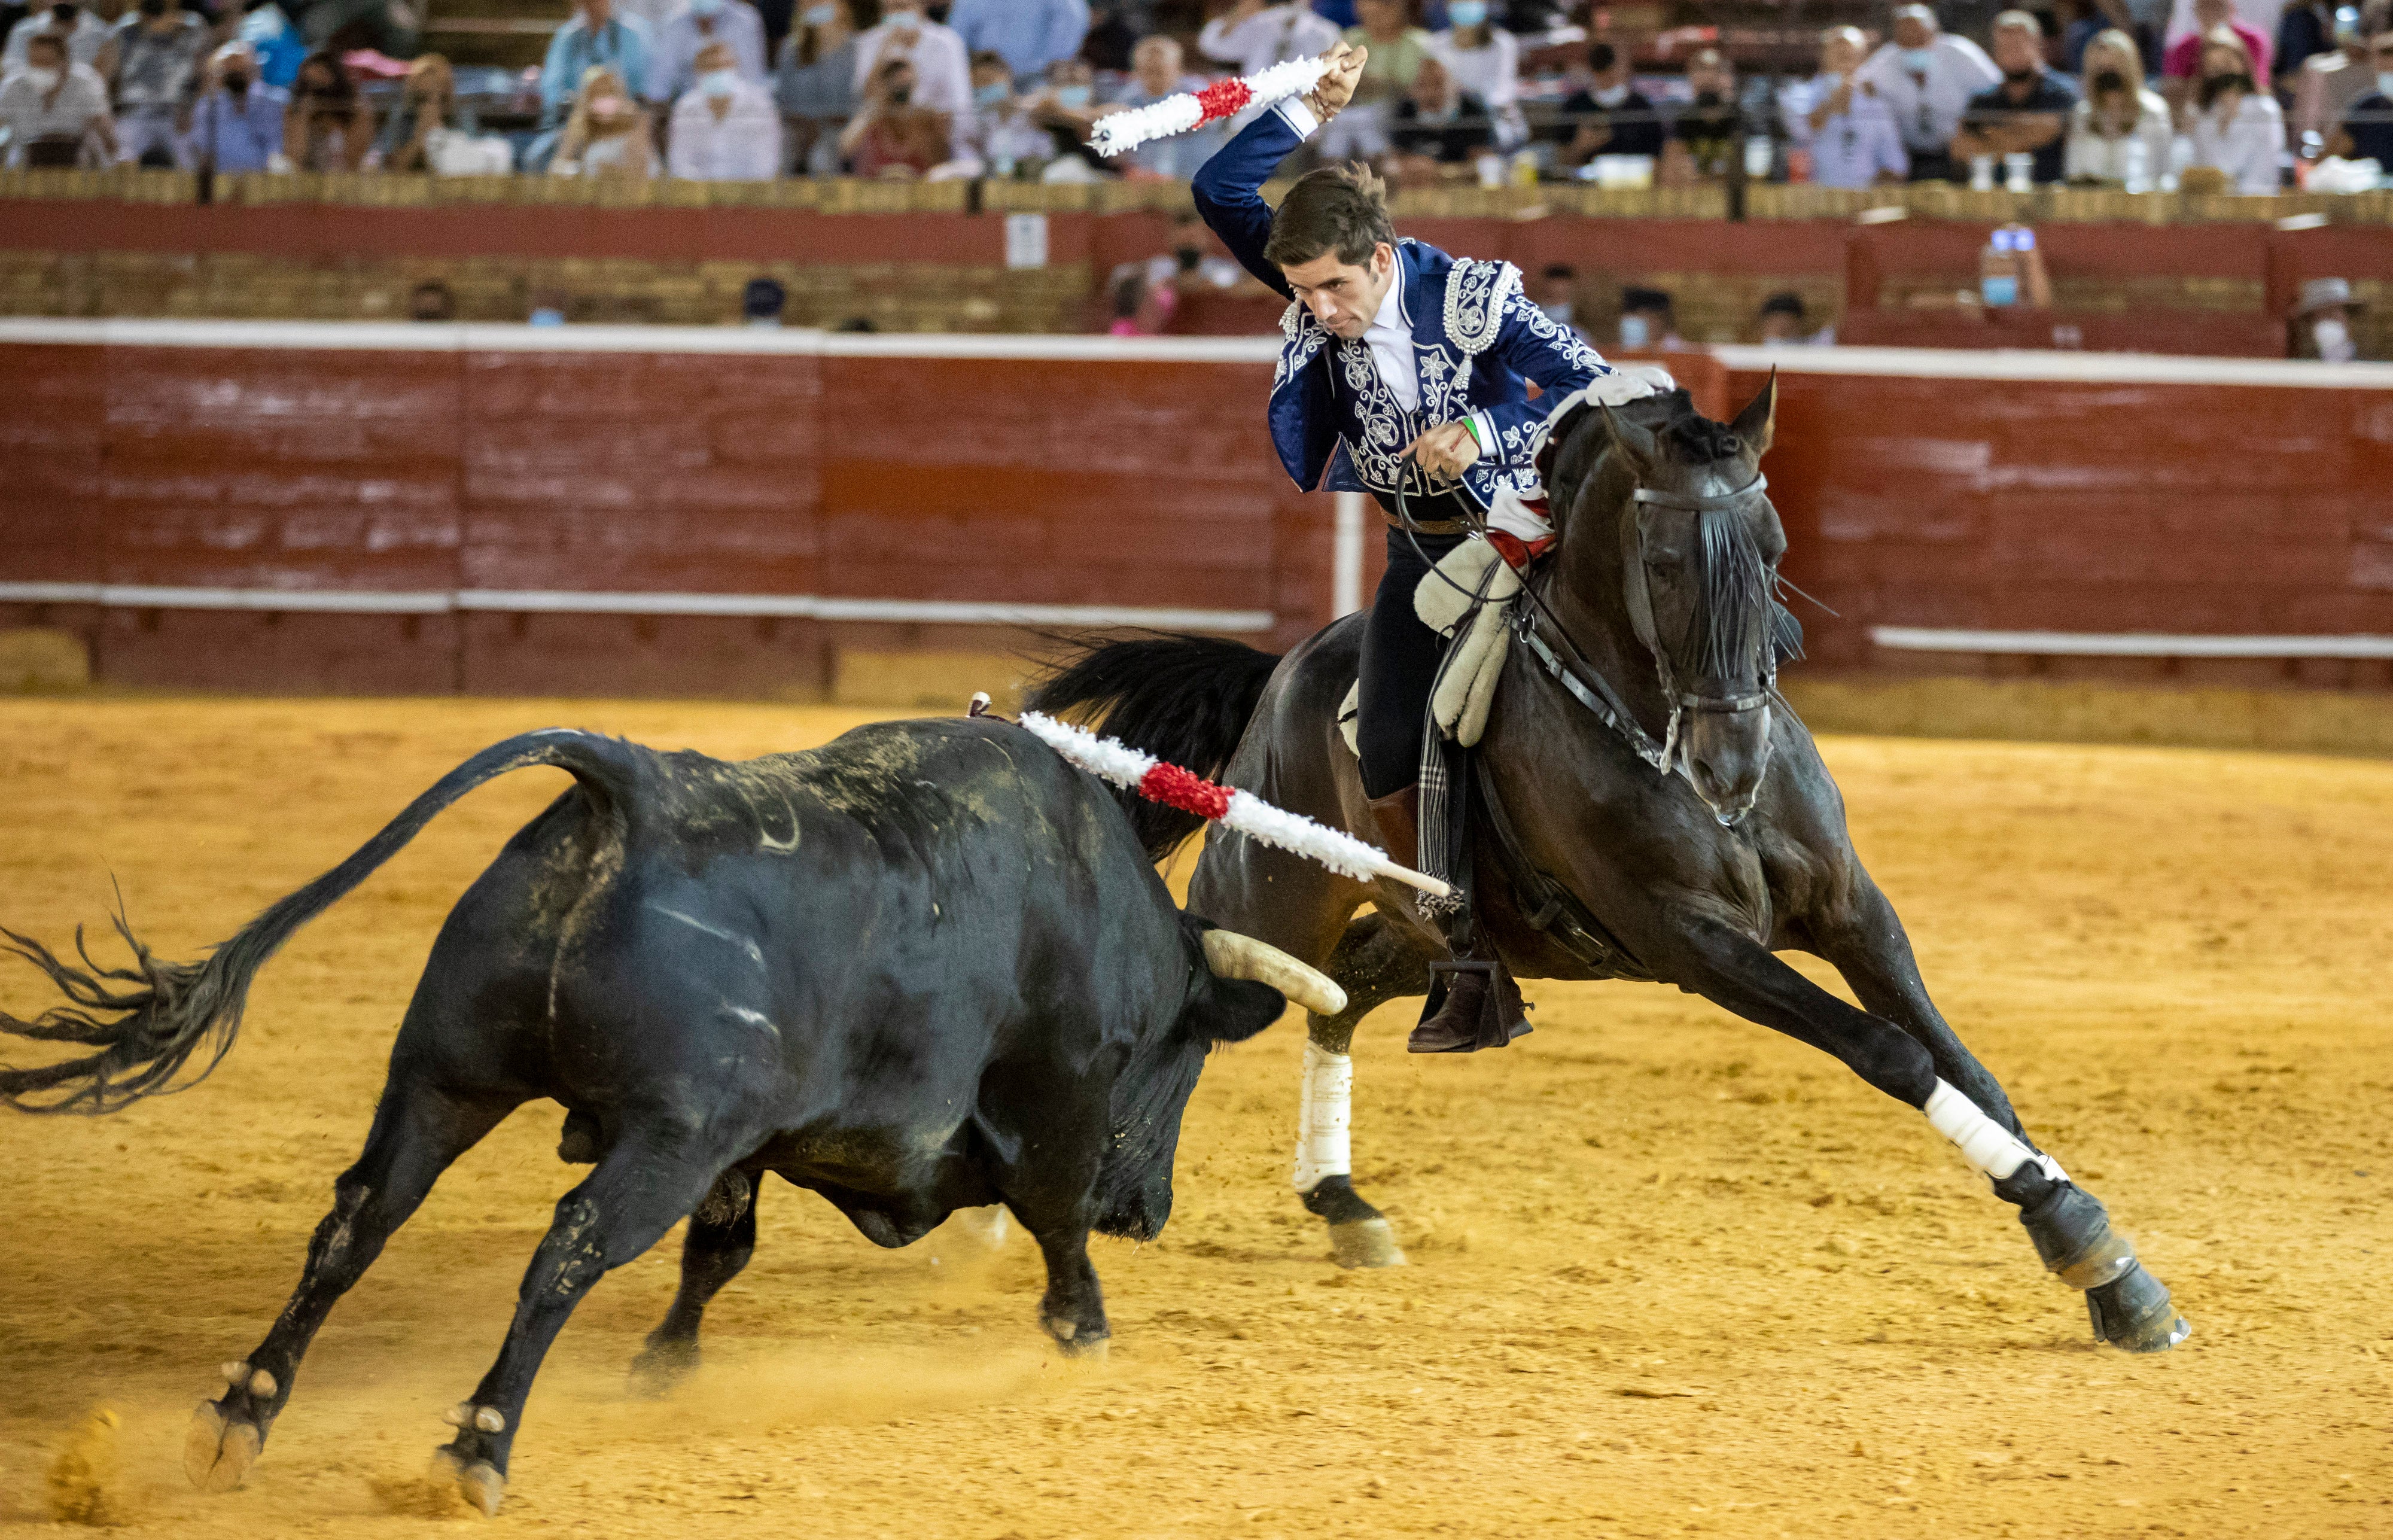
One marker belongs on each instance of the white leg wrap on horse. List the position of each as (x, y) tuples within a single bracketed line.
[(1324, 1112), (1983, 1142)]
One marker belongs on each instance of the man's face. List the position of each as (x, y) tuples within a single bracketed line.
[(1912, 32), (1343, 296), (1778, 326), (599, 11), (2213, 13), (1707, 71), (2017, 51), (1382, 17), (714, 56), (1431, 87), (1839, 55), (1156, 62), (991, 74)]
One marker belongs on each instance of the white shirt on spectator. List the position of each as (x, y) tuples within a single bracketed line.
[(1926, 110), (2092, 153), (1491, 73), (1851, 149), (2246, 147), (942, 74), (997, 138), (744, 146), (89, 36), (671, 70), (83, 96), (1270, 36)]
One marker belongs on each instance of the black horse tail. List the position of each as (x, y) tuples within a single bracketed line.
[(1184, 699), (145, 1033)]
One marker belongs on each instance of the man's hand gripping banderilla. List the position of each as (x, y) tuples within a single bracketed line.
[(1444, 452)]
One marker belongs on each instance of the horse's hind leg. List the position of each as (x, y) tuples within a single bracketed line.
[(649, 1178), (1374, 961), (418, 1130), (722, 1237), (2130, 1308)]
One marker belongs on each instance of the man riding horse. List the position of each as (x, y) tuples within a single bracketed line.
[(1398, 358)]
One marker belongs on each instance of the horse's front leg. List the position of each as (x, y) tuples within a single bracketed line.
[(2131, 1309), (1374, 961)]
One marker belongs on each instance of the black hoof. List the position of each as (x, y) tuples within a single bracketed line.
[(2133, 1312), (2072, 1235), (579, 1143)]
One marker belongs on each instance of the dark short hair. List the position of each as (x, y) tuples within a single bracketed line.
[(1786, 302), (1336, 208), (1603, 57), (1561, 269), (1634, 298)]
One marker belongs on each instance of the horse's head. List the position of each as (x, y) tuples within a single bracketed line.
[(1670, 507)]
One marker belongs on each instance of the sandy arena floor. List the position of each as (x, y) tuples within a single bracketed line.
[(1670, 1274)]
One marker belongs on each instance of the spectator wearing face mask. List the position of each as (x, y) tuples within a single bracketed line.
[(2322, 321), (87, 35), (1709, 132), (605, 134), (1558, 296), (725, 127), (327, 126), (816, 84), (2028, 113), (1438, 131), (2119, 133), (1648, 319), (1030, 36), (1608, 116), (2182, 63), (1253, 35), (1784, 323), (894, 135), (690, 31), (1840, 120), (56, 113), (1927, 77), (1394, 50), (237, 125), (2327, 83), (1484, 62), (1156, 73), (2232, 125), (2366, 131), (159, 52), (998, 137), (941, 77), (595, 38)]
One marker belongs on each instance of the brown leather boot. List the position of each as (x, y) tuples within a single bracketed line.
[(1399, 816), (1473, 1004)]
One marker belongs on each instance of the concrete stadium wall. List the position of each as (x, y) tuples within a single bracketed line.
[(722, 512)]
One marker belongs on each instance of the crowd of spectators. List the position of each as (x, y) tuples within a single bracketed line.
[(2208, 94)]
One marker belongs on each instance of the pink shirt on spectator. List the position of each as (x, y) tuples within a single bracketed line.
[(2184, 57)]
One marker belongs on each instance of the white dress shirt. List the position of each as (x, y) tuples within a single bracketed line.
[(1270, 36), (672, 59), (1928, 108), (1390, 338), (941, 70), (744, 146), (2138, 156), (2246, 147)]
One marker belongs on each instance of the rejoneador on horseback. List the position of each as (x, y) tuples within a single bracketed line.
[(1633, 801)]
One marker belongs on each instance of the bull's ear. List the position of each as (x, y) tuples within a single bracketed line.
[(1759, 421)]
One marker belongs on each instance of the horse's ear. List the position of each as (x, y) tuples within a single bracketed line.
[(1759, 421), (1636, 445)]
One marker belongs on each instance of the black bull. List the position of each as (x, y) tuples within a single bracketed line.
[(924, 968)]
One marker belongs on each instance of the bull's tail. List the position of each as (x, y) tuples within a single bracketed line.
[(1184, 699), (147, 1021)]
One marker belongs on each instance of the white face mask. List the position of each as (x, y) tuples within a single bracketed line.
[(2384, 82), (44, 81), (1634, 332), (1612, 96), (2334, 339)]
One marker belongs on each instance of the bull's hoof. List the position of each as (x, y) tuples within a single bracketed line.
[(2133, 1312), (479, 1482), (662, 1366), (219, 1449), (1365, 1242)]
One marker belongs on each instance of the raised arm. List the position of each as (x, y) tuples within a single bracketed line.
[(1229, 187)]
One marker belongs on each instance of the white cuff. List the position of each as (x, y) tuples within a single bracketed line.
[(1482, 427), (1297, 114), (1515, 518)]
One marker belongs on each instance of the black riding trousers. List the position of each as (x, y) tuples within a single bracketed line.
[(1400, 658)]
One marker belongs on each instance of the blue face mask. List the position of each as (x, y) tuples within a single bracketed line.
[(820, 16), (991, 94), (1919, 60), (1634, 332), (718, 83), (706, 8), (1466, 13), (1072, 96)]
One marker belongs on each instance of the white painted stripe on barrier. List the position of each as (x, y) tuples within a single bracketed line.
[(1934, 363), (2066, 643), (1969, 363), (816, 607)]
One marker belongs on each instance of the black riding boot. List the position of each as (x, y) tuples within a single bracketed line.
[(1473, 1002)]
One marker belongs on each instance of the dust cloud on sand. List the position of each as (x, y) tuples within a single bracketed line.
[(1671, 1275)]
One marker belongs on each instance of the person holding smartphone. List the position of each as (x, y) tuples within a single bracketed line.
[(942, 67)]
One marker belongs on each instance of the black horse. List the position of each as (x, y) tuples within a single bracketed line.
[(1648, 807)]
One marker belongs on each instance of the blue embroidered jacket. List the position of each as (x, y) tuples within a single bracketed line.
[(1475, 337)]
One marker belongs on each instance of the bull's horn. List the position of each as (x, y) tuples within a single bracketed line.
[(1242, 956)]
